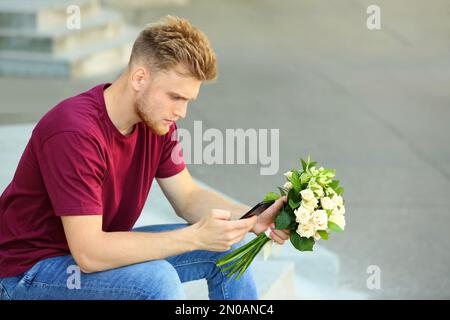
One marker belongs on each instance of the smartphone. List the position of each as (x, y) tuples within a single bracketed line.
[(258, 209)]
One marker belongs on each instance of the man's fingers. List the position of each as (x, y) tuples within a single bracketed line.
[(276, 207), (281, 234), (280, 202), (244, 223), (277, 238)]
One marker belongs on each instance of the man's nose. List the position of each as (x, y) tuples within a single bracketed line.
[(181, 110)]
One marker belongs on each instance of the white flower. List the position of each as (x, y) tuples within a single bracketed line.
[(339, 219), (306, 230), (317, 236), (327, 203), (302, 215), (307, 194), (288, 185), (310, 205), (321, 169), (330, 192), (338, 200), (313, 171), (288, 174), (320, 219), (318, 191), (341, 209)]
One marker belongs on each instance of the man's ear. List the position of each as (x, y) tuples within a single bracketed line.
[(139, 78)]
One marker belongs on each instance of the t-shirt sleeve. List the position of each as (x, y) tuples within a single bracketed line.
[(73, 169), (171, 161)]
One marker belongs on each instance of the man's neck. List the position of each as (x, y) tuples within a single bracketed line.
[(119, 105)]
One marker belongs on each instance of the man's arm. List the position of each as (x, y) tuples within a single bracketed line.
[(96, 250), (192, 202)]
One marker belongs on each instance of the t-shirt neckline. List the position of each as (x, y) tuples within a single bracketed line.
[(114, 129)]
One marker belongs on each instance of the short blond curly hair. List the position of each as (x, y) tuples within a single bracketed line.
[(173, 40)]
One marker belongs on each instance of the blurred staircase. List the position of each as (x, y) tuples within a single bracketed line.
[(37, 40)]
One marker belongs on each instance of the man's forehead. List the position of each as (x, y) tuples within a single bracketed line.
[(186, 87)]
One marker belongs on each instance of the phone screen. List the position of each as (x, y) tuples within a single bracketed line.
[(258, 209)]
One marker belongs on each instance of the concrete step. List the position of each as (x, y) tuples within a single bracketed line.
[(104, 25), (271, 285), (42, 14), (98, 58)]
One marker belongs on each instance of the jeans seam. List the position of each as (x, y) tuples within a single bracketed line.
[(193, 262), (102, 289), (5, 293)]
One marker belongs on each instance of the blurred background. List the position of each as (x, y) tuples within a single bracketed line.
[(374, 104)]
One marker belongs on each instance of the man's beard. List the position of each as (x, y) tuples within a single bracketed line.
[(155, 126)]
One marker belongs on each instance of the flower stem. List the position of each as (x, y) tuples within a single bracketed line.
[(241, 262), (238, 262), (243, 256), (238, 252), (252, 257), (234, 255)]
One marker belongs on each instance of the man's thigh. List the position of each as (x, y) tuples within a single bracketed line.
[(60, 278), (193, 265)]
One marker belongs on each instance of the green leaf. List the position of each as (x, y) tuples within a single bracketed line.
[(282, 191), (304, 164), (304, 178), (271, 196), (339, 190), (283, 220), (295, 196), (333, 226), (323, 234), (302, 243), (294, 204), (334, 184), (308, 161), (295, 180)]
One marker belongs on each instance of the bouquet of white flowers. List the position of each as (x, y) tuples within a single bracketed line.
[(314, 208)]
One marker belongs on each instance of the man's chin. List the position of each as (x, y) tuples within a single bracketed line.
[(159, 130)]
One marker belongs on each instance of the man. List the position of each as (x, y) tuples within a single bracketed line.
[(86, 172)]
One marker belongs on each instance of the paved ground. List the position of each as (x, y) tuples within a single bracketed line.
[(372, 104)]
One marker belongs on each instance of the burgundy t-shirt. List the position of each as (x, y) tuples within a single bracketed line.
[(78, 163)]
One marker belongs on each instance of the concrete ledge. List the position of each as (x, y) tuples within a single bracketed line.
[(274, 281)]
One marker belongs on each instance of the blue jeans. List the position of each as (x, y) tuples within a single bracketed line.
[(59, 278)]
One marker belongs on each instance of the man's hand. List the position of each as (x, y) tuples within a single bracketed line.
[(216, 232), (267, 219)]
